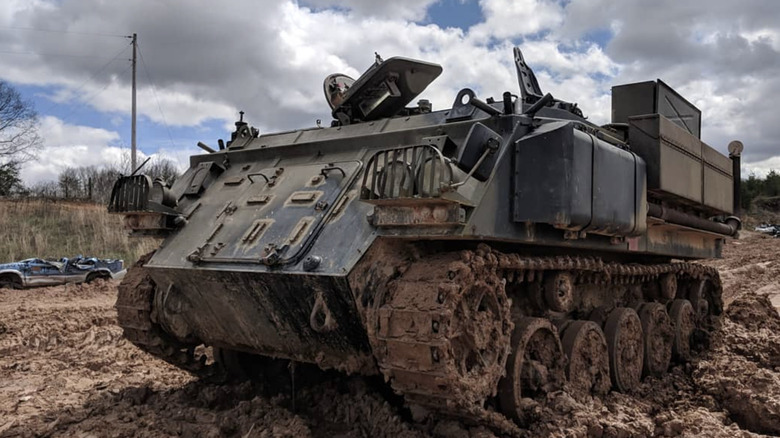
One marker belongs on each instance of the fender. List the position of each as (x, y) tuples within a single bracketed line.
[(15, 272)]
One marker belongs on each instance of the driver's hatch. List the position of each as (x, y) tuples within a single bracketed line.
[(272, 216)]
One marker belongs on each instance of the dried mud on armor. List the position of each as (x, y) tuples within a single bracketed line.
[(66, 370)]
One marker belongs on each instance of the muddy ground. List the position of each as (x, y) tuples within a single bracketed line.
[(66, 371)]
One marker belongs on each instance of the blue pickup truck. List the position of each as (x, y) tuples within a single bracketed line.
[(39, 272)]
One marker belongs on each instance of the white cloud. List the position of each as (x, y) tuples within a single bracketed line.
[(761, 168), (397, 9), (70, 146), (209, 61), (67, 145), (514, 18)]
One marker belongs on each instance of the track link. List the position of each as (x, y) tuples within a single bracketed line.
[(134, 315), (419, 323)]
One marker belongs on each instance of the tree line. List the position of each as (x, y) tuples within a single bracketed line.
[(20, 142), (93, 183), (761, 193)]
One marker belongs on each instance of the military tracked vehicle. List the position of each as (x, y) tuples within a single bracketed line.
[(474, 256)]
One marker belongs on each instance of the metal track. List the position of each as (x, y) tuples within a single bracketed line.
[(403, 341), (134, 315), (418, 336)]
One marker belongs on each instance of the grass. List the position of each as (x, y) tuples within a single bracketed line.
[(54, 229)]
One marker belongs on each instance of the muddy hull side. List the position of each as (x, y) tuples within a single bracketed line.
[(305, 318)]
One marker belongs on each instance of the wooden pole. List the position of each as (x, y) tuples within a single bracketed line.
[(132, 134)]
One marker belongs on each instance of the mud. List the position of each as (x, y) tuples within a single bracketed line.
[(65, 370)]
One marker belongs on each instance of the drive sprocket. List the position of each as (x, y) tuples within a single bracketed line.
[(442, 334)]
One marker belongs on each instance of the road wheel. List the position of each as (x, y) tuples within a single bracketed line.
[(535, 365), (586, 349), (683, 318), (623, 330), (659, 337)]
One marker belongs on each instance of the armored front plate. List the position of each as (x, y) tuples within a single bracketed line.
[(274, 222)]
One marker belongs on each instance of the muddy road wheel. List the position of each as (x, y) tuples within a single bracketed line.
[(683, 318), (625, 342), (586, 349), (535, 365), (658, 332)]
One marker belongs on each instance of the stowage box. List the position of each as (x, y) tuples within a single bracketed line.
[(568, 178), (655, 97), (680, 167)]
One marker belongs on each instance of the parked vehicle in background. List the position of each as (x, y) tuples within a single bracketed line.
[(771, 229), (39, 272)]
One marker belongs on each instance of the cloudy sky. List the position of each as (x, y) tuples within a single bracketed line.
[(202, 61)]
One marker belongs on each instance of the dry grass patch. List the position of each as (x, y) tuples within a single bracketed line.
[(54, 229)]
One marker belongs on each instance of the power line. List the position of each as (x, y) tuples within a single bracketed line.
[(94, 95), (94, 75), (10, 52), (70, 32), (154, 93)]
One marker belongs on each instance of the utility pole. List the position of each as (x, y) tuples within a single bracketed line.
[(132, 132)]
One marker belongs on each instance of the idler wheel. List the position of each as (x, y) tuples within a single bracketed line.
[(659, 334), (623, 330), (559, 292), (586, 348), (705, 299), (535, 365), (683, 319)]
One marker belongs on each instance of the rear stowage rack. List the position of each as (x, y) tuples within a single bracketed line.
[(130, 193), (145, 205)]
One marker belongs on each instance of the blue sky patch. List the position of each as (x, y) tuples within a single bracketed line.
[(455, 13), (151, 136), (599, 36)]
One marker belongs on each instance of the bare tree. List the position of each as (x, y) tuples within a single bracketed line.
[(164, 168), (45, 189), (103, 183), (70, 185), (19, 139), (96, 183), (156, 167)]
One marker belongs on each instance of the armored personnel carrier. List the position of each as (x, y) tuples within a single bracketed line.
[(474, 256)]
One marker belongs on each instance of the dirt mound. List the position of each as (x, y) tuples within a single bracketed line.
[(742, 372), (751, 264), (754, 312)]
